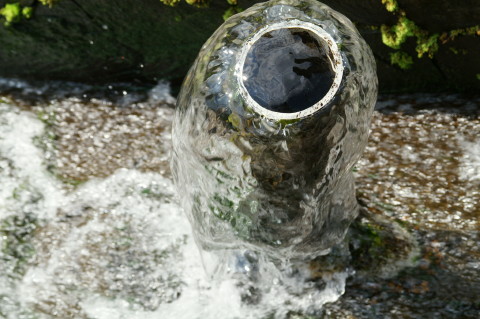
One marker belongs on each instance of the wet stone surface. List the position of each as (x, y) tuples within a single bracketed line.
[(288, 70), (95, 139), (421, 170), (82, 237)]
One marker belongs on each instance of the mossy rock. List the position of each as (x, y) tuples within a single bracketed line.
[(379, 246), (143, 41), (375, 247), (107, 41), (17, 248)]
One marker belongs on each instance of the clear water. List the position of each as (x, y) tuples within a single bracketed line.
[(90, 225), (109, 240), (264, 190)]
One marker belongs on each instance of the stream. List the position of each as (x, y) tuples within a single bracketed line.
[(90, 225)]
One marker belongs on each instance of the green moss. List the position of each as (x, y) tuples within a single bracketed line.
[(427, 45), (69, 181), (474, 30), (49, 3), (171, 3), (402, 59), (12, 12), (478, 76), (284, 123), (371, 248), (404, 224), (231, 11), (203, 4), (235, 120), (198, 3), (390, 5), (226, 210), (18, 232), (396, 35), (27, 12), (458, 51), (153, 193), (223, 201)]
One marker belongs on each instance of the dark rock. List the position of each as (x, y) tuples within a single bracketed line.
[(107, 41), (103, 41)]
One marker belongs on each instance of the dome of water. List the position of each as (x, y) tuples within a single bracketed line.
[(270, 120)]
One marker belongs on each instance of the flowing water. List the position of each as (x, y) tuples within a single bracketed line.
[(270, 120), (90, 226)]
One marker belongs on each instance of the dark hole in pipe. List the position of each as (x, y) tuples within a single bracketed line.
[(288, 70)]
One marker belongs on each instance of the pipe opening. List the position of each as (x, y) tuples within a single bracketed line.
[(288, 70)]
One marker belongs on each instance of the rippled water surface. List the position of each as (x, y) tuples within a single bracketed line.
[(90, 226)]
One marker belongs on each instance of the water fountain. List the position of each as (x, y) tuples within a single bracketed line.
[(90, 226), (271, 118)]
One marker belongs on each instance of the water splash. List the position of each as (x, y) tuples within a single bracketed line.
[(470, 162), (37, 281), (117, 247)]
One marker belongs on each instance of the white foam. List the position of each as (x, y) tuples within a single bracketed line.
[(118, 247), (161, 93), (30, 178), (470, 161)]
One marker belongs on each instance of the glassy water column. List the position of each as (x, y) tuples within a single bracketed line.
[(270, 120)]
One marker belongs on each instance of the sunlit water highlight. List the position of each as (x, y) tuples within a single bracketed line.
[(113, 243)]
